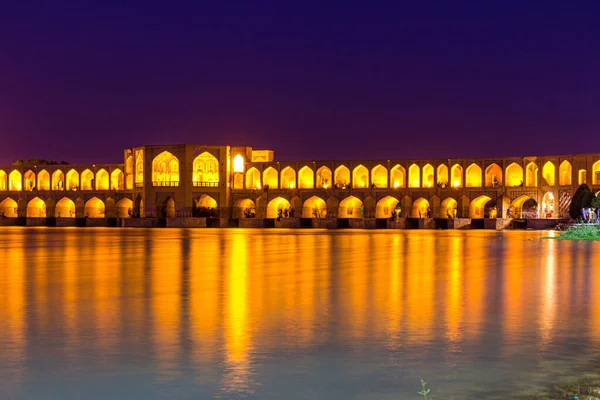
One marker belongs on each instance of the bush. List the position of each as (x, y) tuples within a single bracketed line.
[(577, 201)]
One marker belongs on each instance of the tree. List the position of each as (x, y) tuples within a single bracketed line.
[(577, 200), (596, 201)]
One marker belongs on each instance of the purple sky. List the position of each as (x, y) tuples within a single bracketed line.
[(403, 79)]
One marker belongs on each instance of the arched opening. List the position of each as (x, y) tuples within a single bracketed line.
[(548, 205), (582, 174), (477, 208), (238, 163), (116, 180), (449, 208), (457, 176), (474, 176), (524, 207), (129, 172), (379, 176), (397, 175), (3, 180), (65, 208), (350, 207), (360, 177), (596, 173), (428, 176), (493, 175), (342, 177), (44, 180), (252, 178), (531, 175), (314, 207), (72, 180), (244, 208), (94, 208), (138, 207), (166, 208), (124, 208), (421, 209), (29, 180), (205, 207), (514, 175), (139, 167), (9, 208), (306, 178), (102, 181), (414, 176), (36, 208), (442, 175), (165, 170), (270, 178), (548, 172), (277, 207), (58, 180), (14, 181), (206, 170), (87, 180), (386, 206), (288, 178), (324, 177), (565, 172)]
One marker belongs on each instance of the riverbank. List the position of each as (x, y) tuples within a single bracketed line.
[(584, 389), (580, 232)]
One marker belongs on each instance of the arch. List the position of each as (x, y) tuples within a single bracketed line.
[(124, 208), (252, 178), (9, 208), (548, 173), (238, 163), (270, 178), (36, 208), (414, 176), (72, 180), (360, 177), (288, 178), (314, 207), (15, 181), (102, 180), (420, 207), (244, 208), (29, 180), (333, 206), (3, 180), (596, 173), (205, 170), (139, 166), (342, 176), (386, 206), (582, 176), (565, 172), (129, 172), (548, 205), (379, 176), (524, 207), (514, 175), (457, 176), (442, 175), (474, 176), (324, 177), (165, 207), (428, 175), (493, 175), (531, 175), (87, 180), (94, 208), (206, 201), (350, 207), (448, 208), (278, 203), (477, 206), (165, 170), (116, 180), (43, 180), (58, 180), (65, 208), (397, 175), (306, 178)]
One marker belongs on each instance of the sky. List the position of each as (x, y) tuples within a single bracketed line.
[(81, 81)]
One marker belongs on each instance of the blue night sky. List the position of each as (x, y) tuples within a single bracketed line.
[(82, 80)]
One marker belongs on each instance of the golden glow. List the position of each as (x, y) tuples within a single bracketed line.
[(288, 178), (474, 176), (457, 175), (531, 175), (123, 207), (241, 207), (72, 180), (442, 174), (102, 180), (278, 203), (43, 180), (305, 178), (270, 178), (129, 173), (414, 176), (314, 207), (548, 172), (385, 207), (252, 178), (582, 176), (36, 208), (448, 208), (493, 176), (165, 170), (514, 175), (3, 180), (379, 176), (360, 177), (87, 177), (349, 207), (65, 208), (397, 175), (517, 205), (596, 173), (342, 176), (238, 163), (139, 167), (477, 207), (9, 208), (29, 180), (94, 208), (116, 180), (58, 180), (206, 169), (14, 181), (428, 175), (324, 179), (419, 208)]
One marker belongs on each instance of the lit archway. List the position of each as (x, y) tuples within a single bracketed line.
[(306, 178), (420, 208), (252, 178), (3, 180), (94, 208), (275, 205), (514, 175), (238, 163), (531, 175), (65, 208), (386, 206), (548, 205), (477, 206), (43, 180), (124, 208), (129, 173), (342, 176), (244, 208), (565, 172), (87, 179), (58, 180), (524, 207), (549, 172), (360, 177), (206, 170), (457, 176), (36, 208), (314, 207), (9, 208), (414, 176), (428, 176), (72, 180), (288, 178), (29, 180), (350, 207), (448, 208), (15, 181), (116, 180), (379, 176), (165, 170), (270, 178), (397, 175), (102, 180), (493, 175), (206, 201), (324, 177), (139, 167), (474, 176), (442, 175), (582, 175), (166, 207), (596, 173)]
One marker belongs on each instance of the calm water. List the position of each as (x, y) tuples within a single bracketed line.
[(271, 314)]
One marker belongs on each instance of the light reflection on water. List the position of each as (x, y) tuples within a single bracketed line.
[(272, 314)]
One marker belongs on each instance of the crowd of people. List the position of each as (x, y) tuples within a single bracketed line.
[(591, 215)]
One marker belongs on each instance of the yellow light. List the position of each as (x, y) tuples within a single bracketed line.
[(258, 186), (291, 185), (362, 185), (416, 182), (396, 185), (455, 183), (238, 163), (324, 186)]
